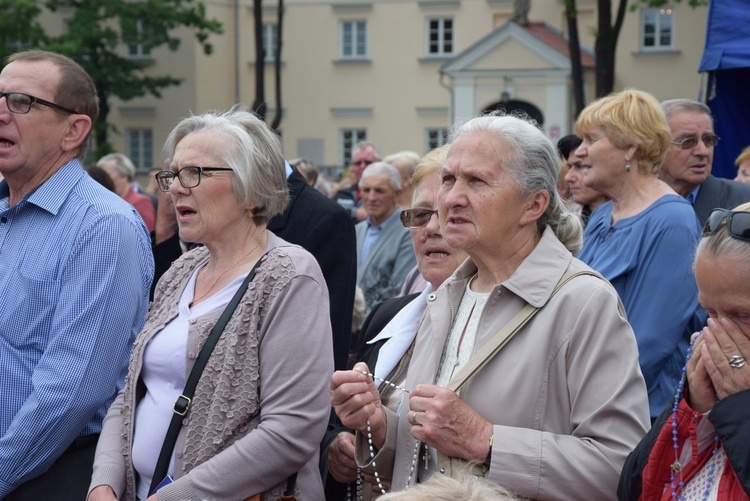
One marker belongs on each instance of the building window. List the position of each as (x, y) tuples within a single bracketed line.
[(440, 36), (350, 137), (656, 29), (436, 138), (270, 41), (139, 50), (140, 149), (353, 39)]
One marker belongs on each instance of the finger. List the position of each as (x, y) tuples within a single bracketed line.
[(741, 341), (714, 369), (362, 368), (723, 339), (346, 443), (719, 352), (426, 390)]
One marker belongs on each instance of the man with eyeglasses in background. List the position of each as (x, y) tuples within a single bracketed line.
[(364, 153), (75, 270), (687, 166)]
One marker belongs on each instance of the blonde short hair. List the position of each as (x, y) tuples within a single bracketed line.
[(743, 156), (429, 165), (630, 118)]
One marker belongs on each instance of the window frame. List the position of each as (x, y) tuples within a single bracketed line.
[(140, 153), (346, 144), (659, 29), (138, 50), (441, 37), (435, 137), (353, 43), (270, 37)]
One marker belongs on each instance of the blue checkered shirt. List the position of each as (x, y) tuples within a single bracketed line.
[(75, 271)]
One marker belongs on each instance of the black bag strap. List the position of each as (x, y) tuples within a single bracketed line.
[(182, 404)]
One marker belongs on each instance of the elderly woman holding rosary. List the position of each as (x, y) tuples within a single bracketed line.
[(516, 354), (699, 447)]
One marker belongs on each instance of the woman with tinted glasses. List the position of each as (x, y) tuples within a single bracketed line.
[(642, 240), (388, 332), (260, 408), (699, 447)]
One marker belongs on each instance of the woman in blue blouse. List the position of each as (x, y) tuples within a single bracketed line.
[(644, 238)]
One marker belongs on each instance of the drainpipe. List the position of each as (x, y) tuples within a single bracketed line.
[(450, 91), (236, 51)]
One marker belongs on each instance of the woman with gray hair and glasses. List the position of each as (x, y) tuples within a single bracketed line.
[(698, 447), (259, 409)]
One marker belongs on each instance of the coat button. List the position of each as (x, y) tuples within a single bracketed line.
[(442, 470), (432, 297)]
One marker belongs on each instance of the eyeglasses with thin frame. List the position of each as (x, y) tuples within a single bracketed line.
[(688, 143), (738, 223), (189, 176), (361, 162), (20, 103), (416, 218)]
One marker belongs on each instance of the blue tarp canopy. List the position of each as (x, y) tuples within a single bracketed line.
[(726, 58)]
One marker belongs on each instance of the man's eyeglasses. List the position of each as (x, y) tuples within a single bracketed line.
[(710, 140), (738, 223), (189, 176), (20, 103), (362, 162), (416, 218)]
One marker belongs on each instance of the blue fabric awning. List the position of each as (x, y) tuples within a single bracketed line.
[(727, 36)]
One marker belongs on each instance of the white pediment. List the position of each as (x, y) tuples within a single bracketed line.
[(507, 48)]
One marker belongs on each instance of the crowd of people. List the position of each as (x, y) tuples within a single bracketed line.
[(502, 318)]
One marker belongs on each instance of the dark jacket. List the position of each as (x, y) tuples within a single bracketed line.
[(378, 318), (717, 192), (325, 230)]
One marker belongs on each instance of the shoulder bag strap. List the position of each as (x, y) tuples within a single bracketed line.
[(182, 404), (504, 335)]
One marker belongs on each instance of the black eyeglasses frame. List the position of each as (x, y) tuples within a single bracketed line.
[(169, 176), (32, 100), (738, 228)]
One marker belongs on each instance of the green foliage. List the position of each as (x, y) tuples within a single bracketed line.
[(19, 31), (98, 35), (660, 3)]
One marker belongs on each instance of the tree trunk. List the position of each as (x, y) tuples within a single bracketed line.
[(574, 46), (259, 105), (277, 64), (606, 45)]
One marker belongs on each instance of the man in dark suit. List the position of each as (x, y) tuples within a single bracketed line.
[(315, 223), (325, 230), (687, 166)]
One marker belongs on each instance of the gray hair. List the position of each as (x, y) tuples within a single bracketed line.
[(534, 164), (383, 168), (722, 243), (363, 145), (405, 161), (121, 164), (253, 151), (671, 106)]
